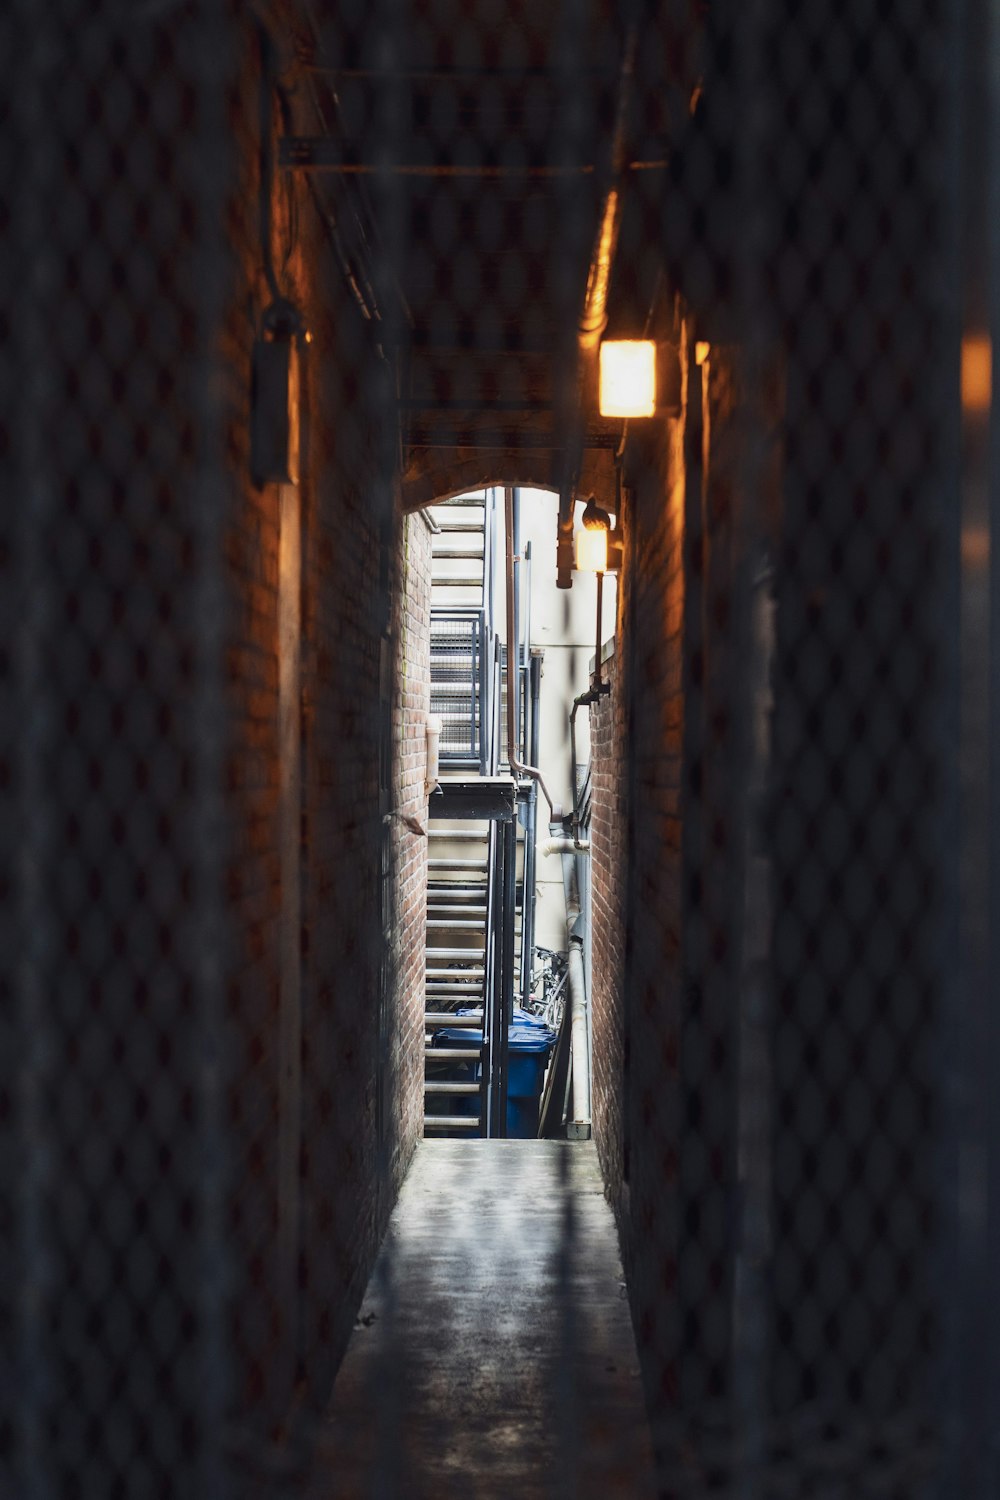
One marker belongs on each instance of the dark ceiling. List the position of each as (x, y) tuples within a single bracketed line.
[(477, 152)]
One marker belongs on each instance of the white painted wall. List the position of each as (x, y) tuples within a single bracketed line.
[(564, 626)]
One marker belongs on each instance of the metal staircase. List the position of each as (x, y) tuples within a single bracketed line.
[(476, 861)]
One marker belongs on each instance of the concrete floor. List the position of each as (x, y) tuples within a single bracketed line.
[(493, 1354)]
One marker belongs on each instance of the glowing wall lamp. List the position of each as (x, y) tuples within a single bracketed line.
[(627, 378), (592, 556), (592, 550), (598, 546)]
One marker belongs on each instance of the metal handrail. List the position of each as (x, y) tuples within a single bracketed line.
[(477, 684)]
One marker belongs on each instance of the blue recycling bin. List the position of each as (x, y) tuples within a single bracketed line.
[(530, 1045)]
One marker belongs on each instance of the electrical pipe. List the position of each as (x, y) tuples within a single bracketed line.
[(566, 846), (514, 763), (599, 690), (579, 1123)]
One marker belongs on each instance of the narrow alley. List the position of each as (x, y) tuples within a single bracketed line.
[(499, 835), (493, 1349)]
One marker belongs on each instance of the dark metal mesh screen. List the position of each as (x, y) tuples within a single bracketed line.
[(210, 898)]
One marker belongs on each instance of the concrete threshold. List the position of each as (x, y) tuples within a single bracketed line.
[(493, 1354)]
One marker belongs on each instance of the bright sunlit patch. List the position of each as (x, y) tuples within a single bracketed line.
[(628, 378), (977, 372), (701, 352), (592, 550)]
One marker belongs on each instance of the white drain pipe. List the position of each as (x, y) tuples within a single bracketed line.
[(578, 1126)]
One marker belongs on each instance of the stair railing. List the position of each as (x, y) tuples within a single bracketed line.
[(465, 627)]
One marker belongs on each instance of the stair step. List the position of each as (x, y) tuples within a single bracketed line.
[(430, 1087), (459, 924), (434, 1020), (441, 863), (456, 583), (444, 916), (445, 955), (451, 526), (456, 890), (444, 903), (440, 989), (451, 1122), (457, 554), (461, 982), (453, 1054), (458, 979), (452, 1000), (467, 834), (463, 901)]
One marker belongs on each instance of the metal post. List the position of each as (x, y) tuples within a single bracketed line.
[(597, 653), (489, 548), (535, 670), (485, 698), (491, 989), (507, 970), (527, 895), (527, 623)]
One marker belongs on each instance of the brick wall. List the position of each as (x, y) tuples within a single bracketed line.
[(653, 668), (706, 1080), (353, 996), (197, 702), (348, 539), (648, 871), (413, 697), (251, 813), (609, 874), (324, 1129)]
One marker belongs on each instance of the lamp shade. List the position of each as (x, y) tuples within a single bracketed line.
[(627, 378), (592, 550)]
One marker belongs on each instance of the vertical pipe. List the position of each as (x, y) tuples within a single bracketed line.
[(489, 551), (514, 645), (527, 899), (491, 989), (506, 930), (572, 769), (497, 720), (597, 649), (578, 1125), (532, 753), (485, 697), (536, 692)]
